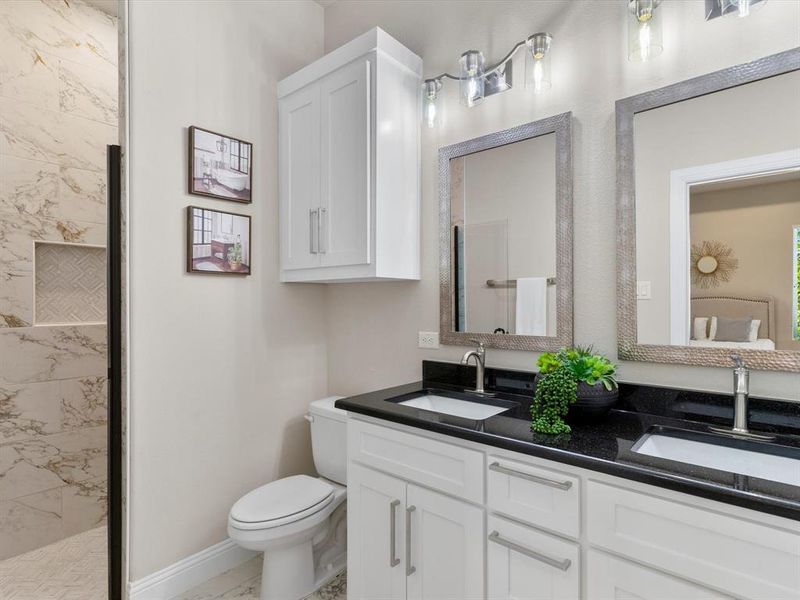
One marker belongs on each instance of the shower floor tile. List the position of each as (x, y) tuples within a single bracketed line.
[(74, 568)]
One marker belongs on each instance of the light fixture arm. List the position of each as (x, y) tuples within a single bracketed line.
[(488, 71)]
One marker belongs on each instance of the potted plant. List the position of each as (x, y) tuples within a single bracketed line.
[(235, 257), (595, 392)]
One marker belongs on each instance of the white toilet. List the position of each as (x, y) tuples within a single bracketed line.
[(299, 522)]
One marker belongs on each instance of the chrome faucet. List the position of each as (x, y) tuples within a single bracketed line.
[(741, 394), (480, 364), (741, 401)]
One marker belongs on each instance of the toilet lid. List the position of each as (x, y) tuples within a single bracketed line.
[(283, 498)]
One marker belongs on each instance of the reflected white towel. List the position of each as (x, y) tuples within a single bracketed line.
[(531, 306)]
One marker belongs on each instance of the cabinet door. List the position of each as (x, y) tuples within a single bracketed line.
[(345, 207), (299, 177), (375, 535), (612, 577), (446, 558), (526, 564)]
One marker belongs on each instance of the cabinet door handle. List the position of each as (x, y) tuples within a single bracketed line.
[(322, 231), (561, 485), (313, 230), (410, 570), (393, 560), (562, 564)]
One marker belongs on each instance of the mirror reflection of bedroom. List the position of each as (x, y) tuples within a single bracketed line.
[(718, 219), (743, 263)]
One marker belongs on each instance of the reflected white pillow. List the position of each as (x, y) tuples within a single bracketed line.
[(754, 330), (712, 330), (700, 329)]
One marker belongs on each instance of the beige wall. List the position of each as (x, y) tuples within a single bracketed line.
[(373, 327), (757, 223), (701, 131), (222, 368)]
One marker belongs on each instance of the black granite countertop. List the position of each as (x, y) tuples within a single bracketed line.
[(605, 445)]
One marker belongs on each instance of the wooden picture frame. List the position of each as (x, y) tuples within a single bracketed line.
[(220, 166), (218, 242)]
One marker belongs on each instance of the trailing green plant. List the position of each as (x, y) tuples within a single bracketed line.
[(554, 393), (584, 365)]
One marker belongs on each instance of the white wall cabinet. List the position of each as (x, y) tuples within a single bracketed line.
[(348, 165), (489, 523)]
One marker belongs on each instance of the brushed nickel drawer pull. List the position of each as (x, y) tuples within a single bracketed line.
[(409, 569), (562, 485), (553, 562), (393, 560)]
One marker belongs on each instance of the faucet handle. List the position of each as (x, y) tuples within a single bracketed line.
[(738, 361), (479, 344)]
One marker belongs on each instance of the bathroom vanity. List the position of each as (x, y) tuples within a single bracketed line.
[(461, 505)]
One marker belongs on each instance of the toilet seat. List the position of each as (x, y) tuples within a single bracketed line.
[(281, 502)]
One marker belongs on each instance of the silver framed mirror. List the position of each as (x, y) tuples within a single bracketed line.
[(505, 238), (708, 218)]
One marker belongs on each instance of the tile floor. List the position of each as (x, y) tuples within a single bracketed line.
[(74, 568), (244, 583)]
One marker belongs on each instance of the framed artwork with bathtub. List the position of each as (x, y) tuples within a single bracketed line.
[(220, 166), (218, 242)]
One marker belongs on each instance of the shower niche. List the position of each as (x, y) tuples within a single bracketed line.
[(70, 284)]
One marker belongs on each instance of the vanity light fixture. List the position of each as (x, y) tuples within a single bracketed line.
[(741, 8), (476, 81), (471, 80), (537, 62), (644, 30), (430, 89)]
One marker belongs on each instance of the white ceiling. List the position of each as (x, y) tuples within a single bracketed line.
[(324, 3), (743, 182)]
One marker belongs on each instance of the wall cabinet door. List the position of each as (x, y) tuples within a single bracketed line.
[(526, 564), (345, 126), (299, 175), (446, 558), (376, 506), (612, 577)]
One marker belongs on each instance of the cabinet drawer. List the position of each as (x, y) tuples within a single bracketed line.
[(612, 577), (525, 564), (536, 495), (438, 465), (737, 555)]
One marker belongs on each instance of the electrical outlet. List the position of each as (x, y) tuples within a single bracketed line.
[(428, 339), (643, 291)]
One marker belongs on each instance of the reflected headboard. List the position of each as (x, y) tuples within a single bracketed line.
[(738, 307)]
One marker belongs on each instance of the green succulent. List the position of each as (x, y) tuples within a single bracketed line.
[(554, 393), (584, 365)]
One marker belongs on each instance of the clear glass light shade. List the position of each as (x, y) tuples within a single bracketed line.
[(430, 100), (471, 82), (537, 62), (644, 30), (742, 8)]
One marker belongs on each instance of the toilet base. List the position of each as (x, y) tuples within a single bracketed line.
[(288, 572)]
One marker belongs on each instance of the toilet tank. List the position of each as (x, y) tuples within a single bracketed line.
[(329, 439)]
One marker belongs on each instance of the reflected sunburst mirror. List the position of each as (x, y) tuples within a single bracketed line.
[(712, 264)]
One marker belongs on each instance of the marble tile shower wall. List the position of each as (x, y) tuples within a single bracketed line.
[(58, 110)]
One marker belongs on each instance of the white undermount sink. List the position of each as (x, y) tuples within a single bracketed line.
[(756, 459), (476, 411)]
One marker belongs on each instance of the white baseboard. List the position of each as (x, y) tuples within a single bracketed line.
[(189, 572)]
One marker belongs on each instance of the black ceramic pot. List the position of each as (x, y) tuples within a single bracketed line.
[(594, 402)]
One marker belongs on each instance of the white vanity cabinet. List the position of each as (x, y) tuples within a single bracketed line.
[(348, 164), (431, 516), (411, 542)]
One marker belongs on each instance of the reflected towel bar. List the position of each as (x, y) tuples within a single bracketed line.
[(508, 283)]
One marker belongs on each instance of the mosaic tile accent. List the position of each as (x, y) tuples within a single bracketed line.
[(70, 284)]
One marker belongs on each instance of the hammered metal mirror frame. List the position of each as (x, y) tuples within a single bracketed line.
[(626, 109), (561, 126)]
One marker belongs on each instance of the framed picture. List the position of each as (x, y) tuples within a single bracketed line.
[(218, 242), (220, 166)]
